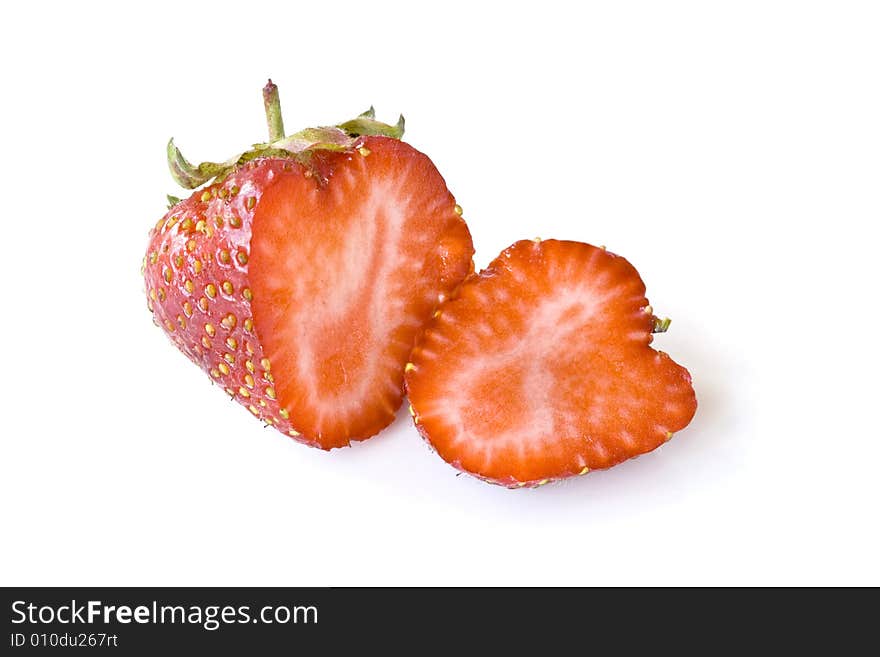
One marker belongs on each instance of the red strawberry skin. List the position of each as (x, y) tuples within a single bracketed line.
[(199, 289), (541, 368), (221, 302)]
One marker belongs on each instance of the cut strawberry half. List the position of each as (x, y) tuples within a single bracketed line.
[(300, 273), (541, 368)]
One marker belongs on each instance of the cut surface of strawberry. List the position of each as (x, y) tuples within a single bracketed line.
[(541, 368), (345, 271)]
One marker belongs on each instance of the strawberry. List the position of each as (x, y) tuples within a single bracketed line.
[(299, 277), (541, 368)]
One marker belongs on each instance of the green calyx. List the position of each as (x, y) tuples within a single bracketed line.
[(298, 146), (661, 325)]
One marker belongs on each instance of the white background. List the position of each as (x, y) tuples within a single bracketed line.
[(731, 151)]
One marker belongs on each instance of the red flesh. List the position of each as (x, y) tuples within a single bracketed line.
[(541, 368)]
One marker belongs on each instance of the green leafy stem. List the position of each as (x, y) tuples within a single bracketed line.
[(298, 146)]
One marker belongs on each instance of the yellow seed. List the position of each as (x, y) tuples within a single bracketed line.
[(253, 409), (270, 393), (293, 432), (218, 221), (247, 294), (251, 202), (191, 246), (210, 330), (170, 223), (436, 313), (206, 343), (166, 274), (668, 435), (242, 258), (249, 325), (153, 294), (235, 222), (181, 321), (243, 392), (536, 240), (249, 381), (284, 413), (169, 325), (188, 284), (186, 225), (154, 258), (458, 210), (409, 367), (203, 304), (543, 481), (160, 224), (187, 309), (412, 411), (233, 190), (268, 376), (249, 364), (263, 403), (223, 193), (249, 348), (178, 261), (224, 257), (230, 392), (223, 367), (210, 290), (215, 372), (197, 266), (206, 196), (200, 226), (232, 343), (229, 358), (227, 287), (265, 364), (363, 150), (161, 294), (229, 322)]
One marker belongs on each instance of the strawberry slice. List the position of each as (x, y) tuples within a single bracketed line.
[(541, 368), (345, 272)]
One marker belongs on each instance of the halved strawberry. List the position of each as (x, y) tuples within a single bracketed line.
[(540, 368), (301, 277)]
